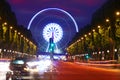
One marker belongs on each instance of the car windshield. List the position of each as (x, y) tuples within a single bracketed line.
[(18, 62)]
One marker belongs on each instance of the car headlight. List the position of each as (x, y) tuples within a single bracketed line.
[(26, 69)]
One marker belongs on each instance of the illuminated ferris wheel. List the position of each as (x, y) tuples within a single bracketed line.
[(53, 30), (52, 23)]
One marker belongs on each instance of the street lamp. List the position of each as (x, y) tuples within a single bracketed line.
[(21, 35), (4, 50), (89, 33), (15, 31), (5, 23), (85, 35), (18, 33), (107, 20), (108, 51), (82, 38), (115, 50), (93, 30), (117, 13), (98, 26), (11, 27), (79, 40)]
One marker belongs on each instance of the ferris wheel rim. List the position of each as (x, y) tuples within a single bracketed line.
[(46, 9)]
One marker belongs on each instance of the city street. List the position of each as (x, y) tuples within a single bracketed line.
[(60, 40), (73, 71)]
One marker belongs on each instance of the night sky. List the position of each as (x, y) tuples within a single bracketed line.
[(81, 10)]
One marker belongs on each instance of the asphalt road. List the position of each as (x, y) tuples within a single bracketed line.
[(72, 71)]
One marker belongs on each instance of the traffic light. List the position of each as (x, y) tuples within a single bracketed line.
[(50, 50), (51, 46), (87, 56)]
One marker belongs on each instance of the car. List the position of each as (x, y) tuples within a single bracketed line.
[(19, 69)]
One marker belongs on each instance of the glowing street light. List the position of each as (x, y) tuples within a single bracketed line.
[(89, 33), (115, 50), (5, 23), (93, 30), (98, 26), (108, 51), (21, 35), (117, 13), (85, 35), (82, 38), (15, 31), (18, 33), (107, 20), (11, 27)]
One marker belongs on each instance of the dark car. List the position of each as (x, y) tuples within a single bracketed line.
[(18, 64), (19, 69)]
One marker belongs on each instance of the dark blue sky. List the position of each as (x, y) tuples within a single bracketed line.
[(81, 10)]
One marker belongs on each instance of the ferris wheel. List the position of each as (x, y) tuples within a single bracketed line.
[(53, 30), (52, 23)]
